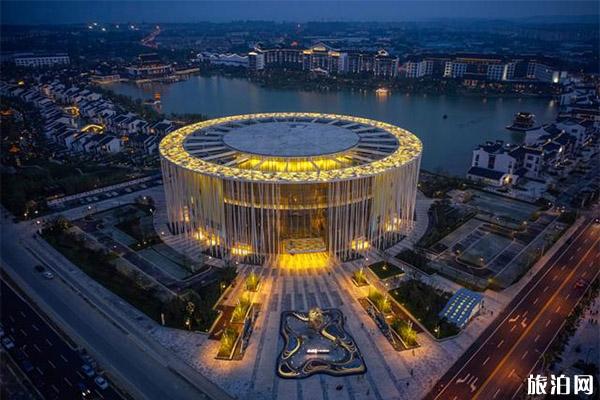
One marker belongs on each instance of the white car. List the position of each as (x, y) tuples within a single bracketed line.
[(8, 343), (48, 275), (101, 382)]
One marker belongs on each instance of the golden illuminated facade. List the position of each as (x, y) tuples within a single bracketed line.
[(273, 186)]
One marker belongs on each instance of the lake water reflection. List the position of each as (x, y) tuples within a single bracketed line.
[(447, 142)]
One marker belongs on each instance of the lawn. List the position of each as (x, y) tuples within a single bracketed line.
[(425, 303), (194, 305), (98, 265), (384, 270), (140, 230)]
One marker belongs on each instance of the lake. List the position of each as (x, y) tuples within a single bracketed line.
[(447, 142)]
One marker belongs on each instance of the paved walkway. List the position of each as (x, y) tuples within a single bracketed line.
[(422, 221)]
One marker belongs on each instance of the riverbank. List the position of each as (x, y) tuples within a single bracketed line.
[(308, 81)]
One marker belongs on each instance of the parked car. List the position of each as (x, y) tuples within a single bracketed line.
[(8, 343), (88, 370), (101, 382), (48, 275)]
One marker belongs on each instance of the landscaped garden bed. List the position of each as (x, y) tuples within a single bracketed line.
[(191, 310), (417, 260), (359, 278), (384, 270), (425, 303), (390, 320)]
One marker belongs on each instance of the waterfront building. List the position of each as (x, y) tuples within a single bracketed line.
[(494, 164), (149, 66), (230, 60), (256, 61), (324, 59), (41, 60), (289, 188)]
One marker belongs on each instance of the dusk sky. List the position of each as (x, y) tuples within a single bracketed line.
[(51, 12)]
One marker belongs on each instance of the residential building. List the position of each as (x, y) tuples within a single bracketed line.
[(41, 60)]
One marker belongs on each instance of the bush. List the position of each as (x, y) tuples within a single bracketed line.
[(360, 277), (405, 331), (416, 259), (425, 303), (252, 282), (240, 310), (380, 301), (228, 339)]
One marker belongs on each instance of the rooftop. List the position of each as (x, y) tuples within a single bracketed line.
[(291, 147)]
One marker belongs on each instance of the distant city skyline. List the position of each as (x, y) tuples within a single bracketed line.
[(70, 12)]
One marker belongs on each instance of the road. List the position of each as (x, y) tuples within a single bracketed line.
[(55, 368), (139, 364), (497, 364)]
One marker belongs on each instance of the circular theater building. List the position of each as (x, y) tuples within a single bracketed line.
[(290, 188)]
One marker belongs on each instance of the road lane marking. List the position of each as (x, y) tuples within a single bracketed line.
[(34, 326), (496, 394), (485, 362), (500, 344), (513, 328), (571, 258), (548, 323), (64, 358), (23, 332), (35, 346), (551, 263), (563, 267), (536, 300), (473, 387), (51, 364), (68, 381), (99, 394), (555, 276), (80, 375), (524, 354), (49, 342), (22, 314), (567, 296), (523, 323), (39, 371), (546, 288), (536, 338), (512, 371), (544, 309), (461, 380), (517, 391), (55, 389), (558, 308)]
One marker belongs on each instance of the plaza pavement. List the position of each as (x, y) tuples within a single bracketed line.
[(388, 372)]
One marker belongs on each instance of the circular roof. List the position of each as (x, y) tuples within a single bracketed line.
[(290, 139), (293, 147)]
